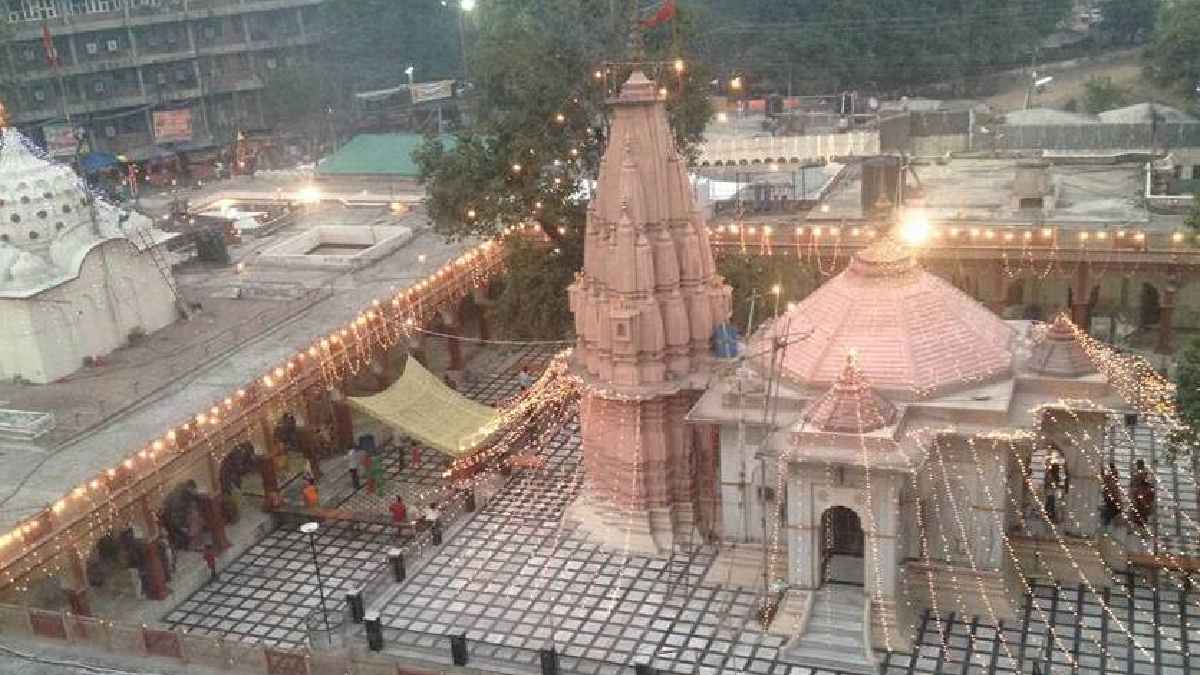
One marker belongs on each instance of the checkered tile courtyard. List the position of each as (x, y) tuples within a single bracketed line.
[(515, 579)]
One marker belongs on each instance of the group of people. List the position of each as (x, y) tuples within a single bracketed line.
[(1141, 493)]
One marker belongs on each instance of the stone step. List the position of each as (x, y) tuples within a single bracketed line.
[(840, 639), (837, 661)]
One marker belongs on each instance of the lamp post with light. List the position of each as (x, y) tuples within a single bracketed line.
[(310, 528)]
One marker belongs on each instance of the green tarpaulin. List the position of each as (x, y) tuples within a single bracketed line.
[(422, 407), (377, 155)]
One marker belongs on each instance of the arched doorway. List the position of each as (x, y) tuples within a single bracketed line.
[(841, 547)]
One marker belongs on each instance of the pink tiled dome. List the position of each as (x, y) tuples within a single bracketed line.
[(915, 335)]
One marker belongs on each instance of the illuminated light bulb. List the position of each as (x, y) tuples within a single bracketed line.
[(835, 231), (279, 373), (751, 229), (954, 231), (574, 152), (1008, 236), (201, 418), (1140, 236), (1177, 237), (776, 289), (598, 75), (854, 231), (816, 231), (470, 213), (679, 65), (128, 463), (1083, 236), (516, 168), (989, 234), (1029, 235), (158, 445), (214, 411), (560, 118), (915, 229), (766, 230), (1120, 234), (268, 381), (171, 435), (662, 91), (562, 230), (95, 484), (974, 231), (1047, 232), (1102, 235)]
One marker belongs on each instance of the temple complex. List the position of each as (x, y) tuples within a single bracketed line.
[(78, 276)]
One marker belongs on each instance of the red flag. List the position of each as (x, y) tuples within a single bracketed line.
[(665, 14), (48, 44)]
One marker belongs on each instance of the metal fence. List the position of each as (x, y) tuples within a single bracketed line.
[(1097, 136)]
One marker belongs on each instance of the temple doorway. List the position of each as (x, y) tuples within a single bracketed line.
[(841, 547)]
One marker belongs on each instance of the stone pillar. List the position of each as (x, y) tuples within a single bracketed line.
[(156, 573), (343, 425), (266, 466), (1166, 319), (213, 511), (804, 531), (75, 585), (1081, 290), (485, 332), (1000, 287), (152, 561), (453, 329), (1079, 435)]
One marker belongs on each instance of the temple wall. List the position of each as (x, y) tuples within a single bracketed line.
[(118, 291)]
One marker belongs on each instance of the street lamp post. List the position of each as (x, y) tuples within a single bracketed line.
[(466, 6), (310, 528)]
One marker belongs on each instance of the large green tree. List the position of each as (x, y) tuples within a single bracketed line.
[(541, 86), (1173, 57), (1187, 398)]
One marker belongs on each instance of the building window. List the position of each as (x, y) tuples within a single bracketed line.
[(99, 87), (272, 64), (161, 77), (180, 74), (172, 38), (29, 54), (1034, 203), (113, 45), (34, 10), (92, 48), (110, 132)]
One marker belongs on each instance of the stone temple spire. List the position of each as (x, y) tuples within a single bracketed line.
[(646, 306)]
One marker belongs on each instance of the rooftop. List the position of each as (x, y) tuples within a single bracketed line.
[(1089, 194), (376, 155)]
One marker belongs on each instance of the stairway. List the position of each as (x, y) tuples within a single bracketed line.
[(833, 638)]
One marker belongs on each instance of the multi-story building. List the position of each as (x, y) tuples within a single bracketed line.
[(122, 61)]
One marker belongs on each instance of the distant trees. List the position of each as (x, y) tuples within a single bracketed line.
[(1187, 399), (823, 45), (1173, 57), (1128, 21)]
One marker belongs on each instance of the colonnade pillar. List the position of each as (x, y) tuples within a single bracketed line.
[(266, 466), (75, 585), (1081, 291), (1166, 320), (213, 512), (152, 559)]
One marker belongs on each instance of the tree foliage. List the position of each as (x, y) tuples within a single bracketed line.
[(370, 43), (1187, 397), (290, 98), (1173, 57), (753, 276), (1128, 21), (1101, 93), (823, 45), (539, 135)]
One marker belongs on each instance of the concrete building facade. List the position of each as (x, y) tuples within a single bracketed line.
[(122, 60)]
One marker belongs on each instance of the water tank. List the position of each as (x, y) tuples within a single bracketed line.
[(882, 185)]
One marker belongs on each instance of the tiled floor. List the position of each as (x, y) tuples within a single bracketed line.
[(514, 579)]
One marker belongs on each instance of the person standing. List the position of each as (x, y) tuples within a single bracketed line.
[(399, 514), (524, 378), (1111, 487), (354, 461), (312, 497), (210, 559)]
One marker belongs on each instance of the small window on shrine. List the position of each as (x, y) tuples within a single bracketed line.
[(1031, 203), (621, 332), (66, 208)]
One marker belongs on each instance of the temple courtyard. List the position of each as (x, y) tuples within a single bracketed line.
[(514, 578)]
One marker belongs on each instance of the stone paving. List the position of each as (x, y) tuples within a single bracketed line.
[(515, 579)]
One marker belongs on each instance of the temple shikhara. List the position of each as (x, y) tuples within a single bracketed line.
[(78, 276)]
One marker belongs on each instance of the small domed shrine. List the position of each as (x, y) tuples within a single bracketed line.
[(76, 274)]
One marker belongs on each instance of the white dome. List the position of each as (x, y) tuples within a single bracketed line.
[(39, 199), (29, 269)]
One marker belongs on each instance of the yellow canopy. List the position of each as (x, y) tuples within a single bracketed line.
[(421, 406)]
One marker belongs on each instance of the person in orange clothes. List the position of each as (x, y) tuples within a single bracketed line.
[(312, 498)]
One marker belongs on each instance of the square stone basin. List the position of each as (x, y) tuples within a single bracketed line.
[(337, 247)]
